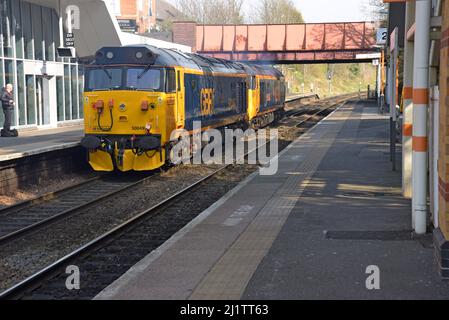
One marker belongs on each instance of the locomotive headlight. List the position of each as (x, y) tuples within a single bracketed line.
[(139, 55), (110, 55), (148, 127)]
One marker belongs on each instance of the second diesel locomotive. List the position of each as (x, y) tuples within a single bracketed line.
[(136, 96)]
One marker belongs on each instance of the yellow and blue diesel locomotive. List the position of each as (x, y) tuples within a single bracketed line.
[(136, 96)]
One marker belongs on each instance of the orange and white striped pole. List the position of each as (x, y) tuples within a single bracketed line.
[(420, 106), (407, 95)]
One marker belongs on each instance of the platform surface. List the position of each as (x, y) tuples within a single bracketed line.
[(310, 231), (39, 141)]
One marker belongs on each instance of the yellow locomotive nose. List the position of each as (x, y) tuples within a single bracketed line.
[(123, 112), (124, 129)]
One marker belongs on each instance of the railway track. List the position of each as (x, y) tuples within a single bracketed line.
[(26, 217), (108, 256)]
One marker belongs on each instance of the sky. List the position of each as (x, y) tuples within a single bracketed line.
[(331, 10), (325, 10)]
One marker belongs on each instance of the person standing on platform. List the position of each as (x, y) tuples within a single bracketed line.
[(8, 107)]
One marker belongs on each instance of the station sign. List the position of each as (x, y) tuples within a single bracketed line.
[(69, 40), (128, 25), (381, 36), (366, 56)]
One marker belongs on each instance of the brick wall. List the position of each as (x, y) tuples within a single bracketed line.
[(185, 33), (37, 169), (443, 159), (129, 10)]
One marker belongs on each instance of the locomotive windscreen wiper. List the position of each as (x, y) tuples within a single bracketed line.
[(107, 72), (144, 71)]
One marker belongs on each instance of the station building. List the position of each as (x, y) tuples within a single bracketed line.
[(48, 88), (424, 99)]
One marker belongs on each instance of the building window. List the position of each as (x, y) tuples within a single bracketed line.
[(17, 23), (55, 27), (9, 72), (68, 111), (81, 90), (116, 8), (6, 26), (31, 95), (21, 93), (9, 78), (60, 97), (74, 92), (27, 30), (37, 31), (30, 31), (48, 34), (1, 86)]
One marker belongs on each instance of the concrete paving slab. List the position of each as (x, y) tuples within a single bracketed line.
[(356, 197), (245, 226), (39, 141), (309, 232)]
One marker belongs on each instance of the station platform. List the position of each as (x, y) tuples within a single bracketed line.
[(34, 142), (311, 231)]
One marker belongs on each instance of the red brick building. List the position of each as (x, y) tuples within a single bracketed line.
[(137, 16)]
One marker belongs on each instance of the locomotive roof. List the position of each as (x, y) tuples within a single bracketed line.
[(173, 57)]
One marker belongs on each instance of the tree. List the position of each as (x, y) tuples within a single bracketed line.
[(277, 11), (376, 10), (212, 11)]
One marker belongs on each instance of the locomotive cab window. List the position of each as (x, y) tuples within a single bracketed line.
[(171, 81), (124, 78), (252, 83), (147, 79), (103, 79)]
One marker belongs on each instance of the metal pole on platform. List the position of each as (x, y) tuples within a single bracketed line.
[(378, 81), (408, 104), (420, 105), (382, 81), (61, 27), (393, 63)]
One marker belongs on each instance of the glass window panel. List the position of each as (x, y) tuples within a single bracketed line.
[(80, 88), (2, 84), (74, 93), (1, 87), (9, 72), (55, 27), (171, 81), (60, 97), (144, 79), (9, 78), (37, 31), (21, 93), (7, 28), (27, 30), (67, 86), (17, 22), (2, 21), (48, 34), (103, 79), (31, 94)]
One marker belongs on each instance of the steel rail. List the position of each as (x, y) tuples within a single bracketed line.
[(66, 213), (45, 273), (45, 197), (33, 281)]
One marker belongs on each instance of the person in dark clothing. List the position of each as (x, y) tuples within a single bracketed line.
[(8, 107)]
